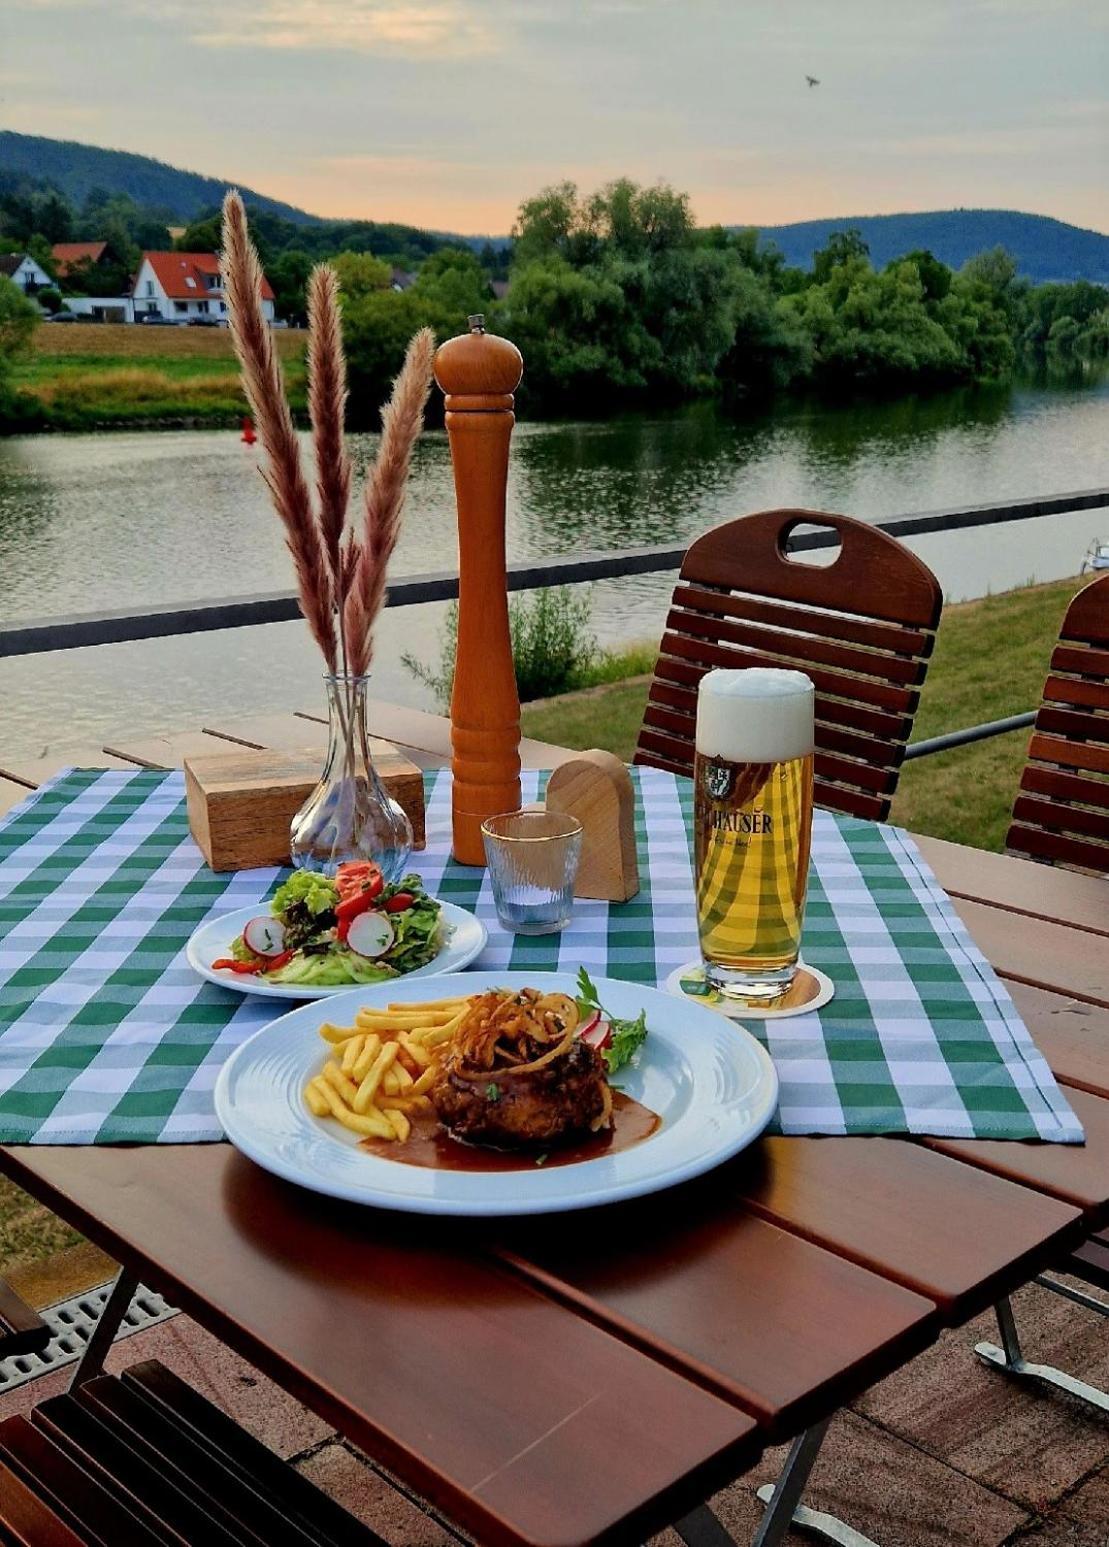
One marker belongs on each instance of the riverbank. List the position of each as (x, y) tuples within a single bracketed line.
[(86, 376), (990, 660)]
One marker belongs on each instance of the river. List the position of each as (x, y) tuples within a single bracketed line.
[(119, 520)]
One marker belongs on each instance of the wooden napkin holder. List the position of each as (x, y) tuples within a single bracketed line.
[(241, 804), (597, 789)]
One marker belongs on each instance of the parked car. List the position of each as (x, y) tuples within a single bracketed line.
[(152, 320), (61, 317), (203, 322)]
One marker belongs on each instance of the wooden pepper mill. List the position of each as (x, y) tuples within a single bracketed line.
[(478, 374)]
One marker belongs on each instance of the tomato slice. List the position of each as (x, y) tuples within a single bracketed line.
[(398, 902), (358, 875), (273, 963)]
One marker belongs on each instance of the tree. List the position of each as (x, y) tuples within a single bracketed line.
[(50, 299), (53, 216), (360, 274), (288, 276), (843, 249), (935, 277), (19, 318)]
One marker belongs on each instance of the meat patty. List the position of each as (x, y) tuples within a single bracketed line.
[(508, 1110)]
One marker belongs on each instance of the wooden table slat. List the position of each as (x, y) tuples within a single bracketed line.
[(11, 794), (284, 732), (779, 1325), (1019, 885), (1040, 952), (166, 751), (416, 729), (33, 771), (1072, 1035), (888, 1205), (482, 1393), (1076, 1173)]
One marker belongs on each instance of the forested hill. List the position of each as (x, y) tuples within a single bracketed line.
[(76, 169), (1044, 249)]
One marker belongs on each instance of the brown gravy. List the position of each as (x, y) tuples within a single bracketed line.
[(431, 1145)]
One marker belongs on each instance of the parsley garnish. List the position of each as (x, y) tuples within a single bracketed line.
[(627, 1036), (493, 1092)]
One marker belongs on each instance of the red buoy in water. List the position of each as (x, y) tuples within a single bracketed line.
[(248, 435)]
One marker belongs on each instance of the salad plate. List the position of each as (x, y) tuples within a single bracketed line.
[(712, 1086), (464, 939)]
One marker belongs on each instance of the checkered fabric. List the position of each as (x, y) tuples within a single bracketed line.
[(106, 1035)]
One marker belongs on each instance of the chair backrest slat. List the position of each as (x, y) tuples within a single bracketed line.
[(862, 627), (1061, 814)]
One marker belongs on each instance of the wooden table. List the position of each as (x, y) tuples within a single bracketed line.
[(593, 1377)]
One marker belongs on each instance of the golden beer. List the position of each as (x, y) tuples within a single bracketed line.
[(753, 778)]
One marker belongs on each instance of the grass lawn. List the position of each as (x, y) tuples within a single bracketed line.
[(87, 375), (990, 660)]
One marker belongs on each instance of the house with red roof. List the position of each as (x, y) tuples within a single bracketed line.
[(70, 257), (185, 287)]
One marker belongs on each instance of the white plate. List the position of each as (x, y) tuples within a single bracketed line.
[(212, 940), (711, 1083)]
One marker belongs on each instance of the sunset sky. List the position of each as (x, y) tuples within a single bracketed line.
[(447, 113)]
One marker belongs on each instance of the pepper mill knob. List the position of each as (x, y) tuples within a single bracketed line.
[(478, 365), (479, 372)]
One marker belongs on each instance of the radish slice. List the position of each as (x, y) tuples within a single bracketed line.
[(370, 934), (265, 936), (598, 1033), (587, 1025)]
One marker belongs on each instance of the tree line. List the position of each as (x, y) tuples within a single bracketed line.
[(619, 298)]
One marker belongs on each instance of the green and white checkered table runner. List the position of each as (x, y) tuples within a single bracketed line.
[(107, 1035)]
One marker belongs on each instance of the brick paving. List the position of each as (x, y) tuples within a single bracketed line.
[(945, 1453)]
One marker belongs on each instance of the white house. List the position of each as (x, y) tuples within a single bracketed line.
[(24, 271), (181, 286)]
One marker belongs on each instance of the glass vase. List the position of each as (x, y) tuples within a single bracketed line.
[(350, 815)]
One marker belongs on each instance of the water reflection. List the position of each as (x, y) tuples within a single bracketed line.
[(105, 521)]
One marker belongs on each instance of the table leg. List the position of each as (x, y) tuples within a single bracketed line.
[(782, 1500), (1011, 1360), (91, 1362)]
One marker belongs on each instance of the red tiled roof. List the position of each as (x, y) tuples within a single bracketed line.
[(67, 254), (173, 269)]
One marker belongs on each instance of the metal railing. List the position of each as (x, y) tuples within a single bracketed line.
[(83, 630)]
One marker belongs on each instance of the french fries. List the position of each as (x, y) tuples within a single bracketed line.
[(378, 1071)]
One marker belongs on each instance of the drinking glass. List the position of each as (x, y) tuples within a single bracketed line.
[(753, 792), (533, 859)]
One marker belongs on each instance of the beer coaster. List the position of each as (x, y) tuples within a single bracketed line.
[(810, 990)]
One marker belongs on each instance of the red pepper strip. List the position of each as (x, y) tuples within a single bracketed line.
[(236, 966), (274, 963), (398, 902)]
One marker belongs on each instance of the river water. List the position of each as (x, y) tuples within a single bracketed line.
[(120, 520)]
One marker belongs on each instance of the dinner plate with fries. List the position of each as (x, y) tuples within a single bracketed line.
[(333, 1094)]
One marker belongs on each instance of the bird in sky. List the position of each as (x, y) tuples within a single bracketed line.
[(812, 80)]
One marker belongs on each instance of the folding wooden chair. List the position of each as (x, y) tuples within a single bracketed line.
[(143, 1460), (1061, 817), (862, 628), (1062, 812)]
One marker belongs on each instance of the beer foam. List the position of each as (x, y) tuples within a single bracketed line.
[(759, 715)]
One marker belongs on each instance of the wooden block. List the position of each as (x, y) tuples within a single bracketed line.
[(596, 788), (241, 804)]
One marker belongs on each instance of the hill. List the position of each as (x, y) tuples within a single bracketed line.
[(77, 168), (1044, 248)]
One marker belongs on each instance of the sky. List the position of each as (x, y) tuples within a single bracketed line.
[(447, 113)]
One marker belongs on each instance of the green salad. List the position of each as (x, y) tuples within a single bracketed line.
[(327, 933)]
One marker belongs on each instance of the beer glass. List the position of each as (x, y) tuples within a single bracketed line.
[(753, 781)]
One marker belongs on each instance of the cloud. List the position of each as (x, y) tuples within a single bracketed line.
[(442, 29)]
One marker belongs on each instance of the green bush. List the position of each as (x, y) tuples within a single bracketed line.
[(553, 648)]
